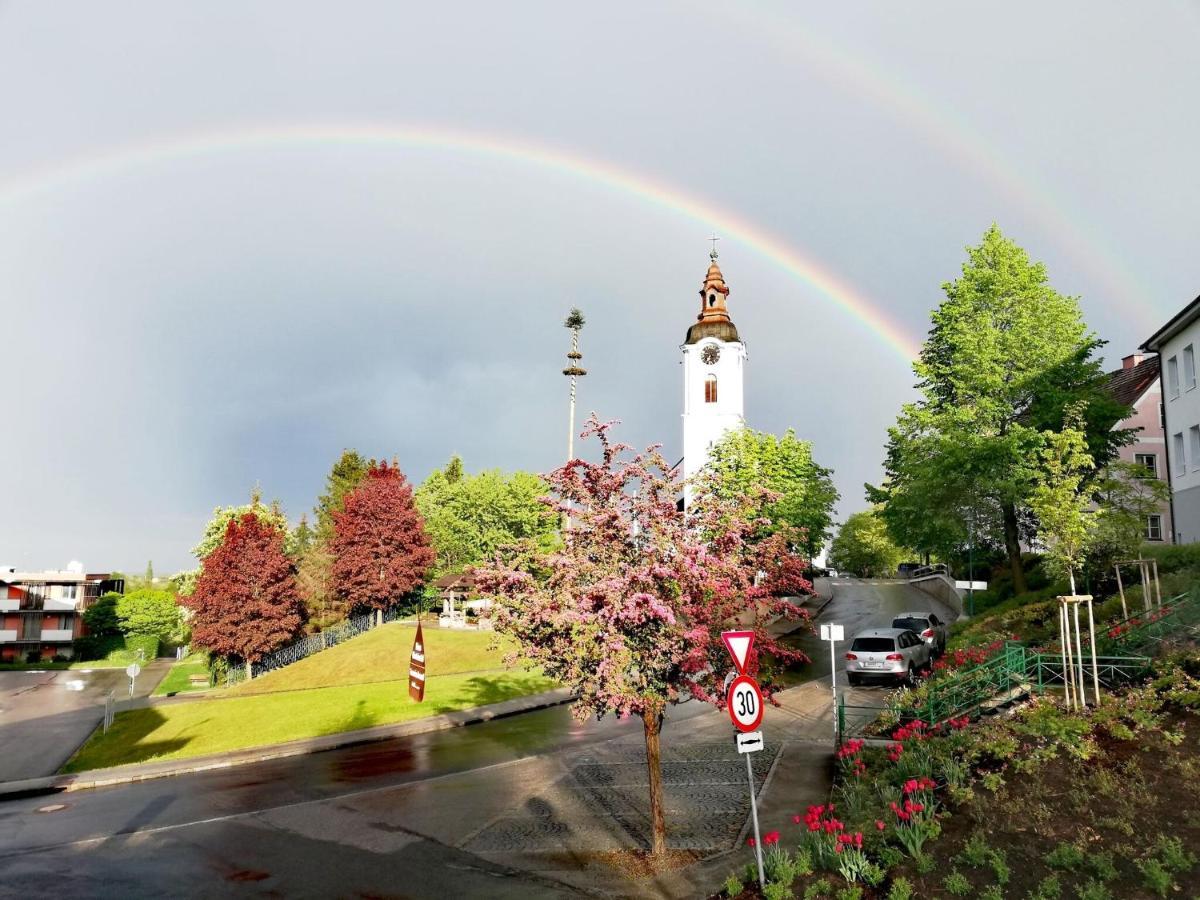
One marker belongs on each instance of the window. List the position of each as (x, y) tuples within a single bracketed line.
[(1194, 445), (710, 389), (1189, 368), (1149, 461), (66, 622), (1180, 464), (69, 591), (1154, 528), (712, 299), (1173, 377)]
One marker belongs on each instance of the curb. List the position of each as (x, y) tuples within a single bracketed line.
[(128, 774)]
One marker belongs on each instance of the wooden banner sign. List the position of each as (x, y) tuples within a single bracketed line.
[(416, 668)]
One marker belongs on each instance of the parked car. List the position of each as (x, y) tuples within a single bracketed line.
[(931, 629), (894, 654)]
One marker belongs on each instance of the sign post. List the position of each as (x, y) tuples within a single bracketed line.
[(745, 702), (132, 670), (833, 634), (416, 667)]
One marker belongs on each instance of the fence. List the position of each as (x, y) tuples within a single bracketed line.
[(1015, 670), (1146, 632), (313, 643)]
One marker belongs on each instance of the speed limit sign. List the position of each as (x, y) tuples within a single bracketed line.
[(745, 703)]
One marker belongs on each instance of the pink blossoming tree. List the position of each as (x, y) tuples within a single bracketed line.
[(629, 611)]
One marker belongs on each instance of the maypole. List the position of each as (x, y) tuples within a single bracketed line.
[(575, 322)]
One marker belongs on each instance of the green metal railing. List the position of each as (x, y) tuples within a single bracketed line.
[(1145, 632)]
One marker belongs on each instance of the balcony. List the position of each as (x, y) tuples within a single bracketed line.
[(57, 604), (9, 636), (57, 635), (7, 605)]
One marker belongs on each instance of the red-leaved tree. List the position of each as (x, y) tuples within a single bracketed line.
[(381, 550), (246, 603), (629, 612)]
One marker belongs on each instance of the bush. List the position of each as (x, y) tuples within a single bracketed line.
[(150, 612), (146, 642), (101, 617)]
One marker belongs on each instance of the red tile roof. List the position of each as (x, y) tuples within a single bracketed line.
[(1128, 385)]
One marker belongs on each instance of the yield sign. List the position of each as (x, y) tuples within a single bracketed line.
[(739, 643)]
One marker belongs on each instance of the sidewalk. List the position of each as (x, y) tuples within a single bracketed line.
[(146, 771)]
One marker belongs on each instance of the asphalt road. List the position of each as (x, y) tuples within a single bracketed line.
[(384, 819), (45, 715)]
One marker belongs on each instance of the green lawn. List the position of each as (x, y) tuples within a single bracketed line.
[(360, 683), (178, 676), (382, 655)]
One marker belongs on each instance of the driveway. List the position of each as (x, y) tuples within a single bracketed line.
[(46, 714)]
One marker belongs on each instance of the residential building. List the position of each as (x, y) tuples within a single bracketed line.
[(1137, 384), (41, 612), (1176, 344)]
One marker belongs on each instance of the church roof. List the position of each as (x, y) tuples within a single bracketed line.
[(713, 320)]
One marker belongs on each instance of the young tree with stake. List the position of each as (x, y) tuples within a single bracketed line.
[(629, 612)]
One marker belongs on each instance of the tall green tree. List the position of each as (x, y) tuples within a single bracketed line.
[(1005, 357), (864, 547), (148, 611), (1066, 520), (746, 462), (347, 473), (301, 539), (469, 517), (214, 531)]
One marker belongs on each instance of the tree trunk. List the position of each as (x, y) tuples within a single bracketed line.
[(249, 670), (652, 723), (1012, 544)]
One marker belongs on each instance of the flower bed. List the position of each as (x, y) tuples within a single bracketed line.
[(1045, 804)]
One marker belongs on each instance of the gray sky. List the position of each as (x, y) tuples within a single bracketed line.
[(236, 238)]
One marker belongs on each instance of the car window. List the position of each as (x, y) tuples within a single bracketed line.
[(909, 623), (873, 644)]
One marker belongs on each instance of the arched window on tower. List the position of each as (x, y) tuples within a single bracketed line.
[(712, 299), (710, 389)]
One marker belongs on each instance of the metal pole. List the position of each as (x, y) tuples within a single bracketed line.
[(762, 878), (833, 685), (1095, 665)]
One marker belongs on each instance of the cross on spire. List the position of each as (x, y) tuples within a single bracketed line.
[(714, 239)]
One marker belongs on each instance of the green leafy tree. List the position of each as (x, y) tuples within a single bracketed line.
[(101, 617), (1126, 498), (347, 473), (469, 517), (864, 547), (148, 611), (214, 531), (301, 539), (1059, 500), (1005, 357), (798, 493)]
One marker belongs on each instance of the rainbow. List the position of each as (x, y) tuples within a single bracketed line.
[(952, 136), (819, 278)]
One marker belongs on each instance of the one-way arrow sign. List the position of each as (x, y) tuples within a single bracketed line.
[(749, 742)]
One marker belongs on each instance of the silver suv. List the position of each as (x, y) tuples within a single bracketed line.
[(896, 654), (928, 626)]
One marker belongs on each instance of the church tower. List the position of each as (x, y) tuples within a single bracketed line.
[(713, 361)]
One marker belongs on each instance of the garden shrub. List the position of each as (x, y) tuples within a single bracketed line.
[(1064, 856), (733, 885), (901, 889), (145, 642), (957, 884)]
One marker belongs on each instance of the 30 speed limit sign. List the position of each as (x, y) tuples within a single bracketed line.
[(745, 703)]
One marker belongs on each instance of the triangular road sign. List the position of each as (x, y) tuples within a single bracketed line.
[(739, 644)]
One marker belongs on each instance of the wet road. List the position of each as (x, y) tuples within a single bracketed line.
[(360, 820)]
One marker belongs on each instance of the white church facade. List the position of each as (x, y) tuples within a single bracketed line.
[(714, 362)]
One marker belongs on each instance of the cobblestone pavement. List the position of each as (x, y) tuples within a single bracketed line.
[(602, 801)]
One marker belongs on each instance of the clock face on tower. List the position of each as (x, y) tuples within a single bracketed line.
[(710, 354)]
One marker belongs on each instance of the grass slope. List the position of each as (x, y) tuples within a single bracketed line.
[(358, 684), (177, 680)]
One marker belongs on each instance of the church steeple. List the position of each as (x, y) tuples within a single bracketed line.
[(713, 320)]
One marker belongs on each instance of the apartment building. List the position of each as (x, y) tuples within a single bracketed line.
[(41, 612), (1176, 344), (1137, 384)]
